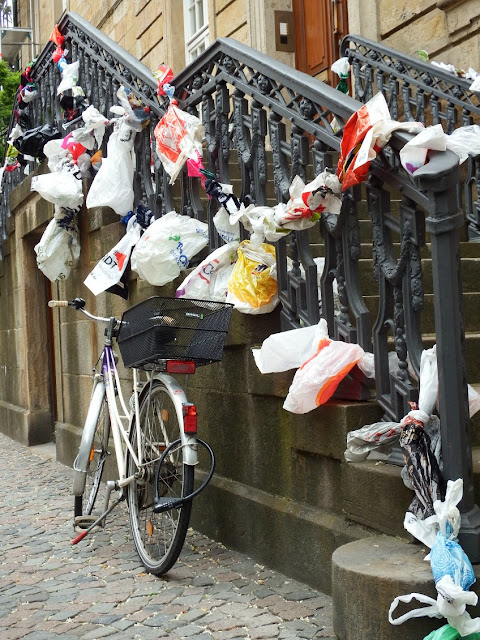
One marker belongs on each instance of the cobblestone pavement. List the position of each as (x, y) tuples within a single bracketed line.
[(97, 589)]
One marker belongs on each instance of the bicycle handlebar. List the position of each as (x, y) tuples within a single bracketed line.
[(79, 305)]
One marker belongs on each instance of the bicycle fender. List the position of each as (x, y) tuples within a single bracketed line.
[(83, 457), (189, 450)]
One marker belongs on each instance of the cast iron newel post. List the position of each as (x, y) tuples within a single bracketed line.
[(439, 179)]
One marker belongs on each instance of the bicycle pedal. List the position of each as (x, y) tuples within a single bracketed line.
[(83, 522)]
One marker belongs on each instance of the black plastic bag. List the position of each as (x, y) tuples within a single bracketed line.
[(33, 141)]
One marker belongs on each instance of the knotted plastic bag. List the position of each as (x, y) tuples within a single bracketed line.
[(111, 267), (179, 137), (58, 251), (318, 378), (31, 143), (252, 287), (209, 281), (167, 246), (289, 349), (61, 188)]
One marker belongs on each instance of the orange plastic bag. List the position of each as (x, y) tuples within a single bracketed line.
[(317, 379)]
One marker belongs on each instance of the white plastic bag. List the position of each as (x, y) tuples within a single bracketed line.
[(69, 77), (317, 200), (297, 214), (289, 349), (167, 246), (60, 188), (227, 229), (57, 251), (111, 267), (209, 281), (317, 379), (113, 184)]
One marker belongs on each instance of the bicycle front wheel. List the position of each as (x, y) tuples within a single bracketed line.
[(159, 537), (97, 456)]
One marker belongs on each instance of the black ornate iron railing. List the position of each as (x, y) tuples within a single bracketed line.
[(272, 124), (418, 90)]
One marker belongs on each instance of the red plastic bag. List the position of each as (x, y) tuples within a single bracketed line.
[(163, 75), (179, 137), (57, 37)]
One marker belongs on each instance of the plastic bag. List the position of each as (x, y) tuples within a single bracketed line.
[(32, 141), (317, 379), (163, 75), (61, 188), (449, 633), (260, 222), (289, 349), (252, 287), (297, 214), (229, 231), (57, 251), (70, 74), (368, 438), (113, 184), (364, 135), (209, 281), (179, 136), (451, 568), (319, 195), (167, 246), (111, 267)]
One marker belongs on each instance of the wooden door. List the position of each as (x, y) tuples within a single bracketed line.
[(320, 26)]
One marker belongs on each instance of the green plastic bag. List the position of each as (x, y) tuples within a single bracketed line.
[(449, 633)]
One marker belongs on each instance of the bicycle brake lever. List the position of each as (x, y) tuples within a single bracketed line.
[(78, 303)]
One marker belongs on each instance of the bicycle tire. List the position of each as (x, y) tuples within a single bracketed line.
[(84, 503), (159, 537)]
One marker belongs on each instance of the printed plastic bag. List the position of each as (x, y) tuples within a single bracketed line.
[(252, 287), (364, 135), (167, 246), (229, 231), (179, 136), (297, 214), (60, 188), (317, 379), (320, 194), (111, 267), (57, 251), (289, 349), (370, 437), (209, 281)]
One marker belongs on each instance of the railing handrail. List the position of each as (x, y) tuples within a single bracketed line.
[(454, 85)]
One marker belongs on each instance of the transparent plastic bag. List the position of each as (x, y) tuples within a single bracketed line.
[(167, 246), (252, 287)]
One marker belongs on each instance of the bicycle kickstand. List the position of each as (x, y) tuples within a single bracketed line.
[(100, 521)]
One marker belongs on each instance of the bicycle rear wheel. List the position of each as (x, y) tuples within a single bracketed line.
[(84, 504), (159, 537)]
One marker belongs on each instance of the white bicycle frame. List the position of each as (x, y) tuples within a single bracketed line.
[(108, 382)]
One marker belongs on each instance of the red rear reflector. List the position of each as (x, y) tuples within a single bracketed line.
[(189, 418), (180, 366)]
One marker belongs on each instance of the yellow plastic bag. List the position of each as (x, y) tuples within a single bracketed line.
[(252, 287)]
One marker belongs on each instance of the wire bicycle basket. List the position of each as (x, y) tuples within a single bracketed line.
[(160, 329)]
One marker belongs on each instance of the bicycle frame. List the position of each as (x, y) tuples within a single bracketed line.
[(108, 382)]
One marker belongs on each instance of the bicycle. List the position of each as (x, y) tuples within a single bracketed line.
[(155, 436)]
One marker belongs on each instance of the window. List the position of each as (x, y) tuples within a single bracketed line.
[(196, 28)]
